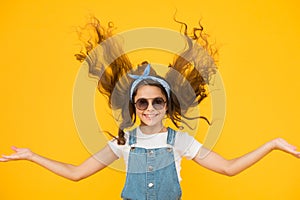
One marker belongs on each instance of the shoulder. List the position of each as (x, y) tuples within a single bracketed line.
[(119, 149), (184, 136), (186, 145), (184, 139)]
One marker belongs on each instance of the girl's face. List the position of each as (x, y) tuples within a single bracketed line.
[(151, 106)]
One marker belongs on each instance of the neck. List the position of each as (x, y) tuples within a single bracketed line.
[(152, 129)]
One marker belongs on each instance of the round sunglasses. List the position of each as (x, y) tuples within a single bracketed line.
[(158, 103)]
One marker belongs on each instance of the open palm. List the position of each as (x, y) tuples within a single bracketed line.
[(20, 154)]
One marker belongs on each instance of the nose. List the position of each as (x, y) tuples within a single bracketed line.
[(150, 107)]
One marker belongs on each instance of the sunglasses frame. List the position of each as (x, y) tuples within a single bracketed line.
[(148, 103)]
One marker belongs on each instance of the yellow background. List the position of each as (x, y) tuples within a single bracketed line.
[(259, 62)]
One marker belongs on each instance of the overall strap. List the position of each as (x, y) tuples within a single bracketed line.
[(132, 137), (171, 136)]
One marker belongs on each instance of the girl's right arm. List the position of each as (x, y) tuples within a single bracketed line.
[(75, 173)]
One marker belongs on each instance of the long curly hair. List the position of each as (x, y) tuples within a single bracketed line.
[(188, 75)]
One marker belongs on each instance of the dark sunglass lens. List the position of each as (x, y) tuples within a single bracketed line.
[(142, 104), (158, 103)]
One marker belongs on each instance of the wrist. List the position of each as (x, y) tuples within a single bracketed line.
[(32, 157), (271, 145)]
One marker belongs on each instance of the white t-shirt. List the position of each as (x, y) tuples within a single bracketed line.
[(184, 146)]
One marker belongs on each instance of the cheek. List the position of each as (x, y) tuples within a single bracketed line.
[(162, 112), (138, 112)]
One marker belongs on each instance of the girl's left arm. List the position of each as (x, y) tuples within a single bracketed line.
[(217, 163)]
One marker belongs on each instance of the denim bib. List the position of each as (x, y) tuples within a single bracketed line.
[(151, 173)]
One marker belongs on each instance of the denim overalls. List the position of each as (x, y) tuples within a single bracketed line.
[(151, 173)]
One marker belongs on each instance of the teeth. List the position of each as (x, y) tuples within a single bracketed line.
[(149, 115)]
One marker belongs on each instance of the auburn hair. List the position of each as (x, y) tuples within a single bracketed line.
[(188, 75)]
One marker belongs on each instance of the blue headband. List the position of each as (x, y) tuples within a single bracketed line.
[(145, 76)]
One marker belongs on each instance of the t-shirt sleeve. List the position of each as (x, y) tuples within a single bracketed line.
[(119, 150), (186, 145), (113, 144)]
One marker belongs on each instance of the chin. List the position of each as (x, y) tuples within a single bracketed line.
[(151, 121)]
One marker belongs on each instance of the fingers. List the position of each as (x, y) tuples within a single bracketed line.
[(296, 153), (5, 158), (13, 156), (283, 145), (292, 150), (10, 157)]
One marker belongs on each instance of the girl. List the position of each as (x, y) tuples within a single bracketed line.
[(152, 151)]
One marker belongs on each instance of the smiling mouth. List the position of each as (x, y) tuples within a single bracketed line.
[(149, 116)]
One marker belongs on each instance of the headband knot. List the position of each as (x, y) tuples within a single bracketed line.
[(145, 76)]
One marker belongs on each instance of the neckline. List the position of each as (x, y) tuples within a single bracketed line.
[(144, 135)]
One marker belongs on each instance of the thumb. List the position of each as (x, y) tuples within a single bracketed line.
[(14, 148)]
